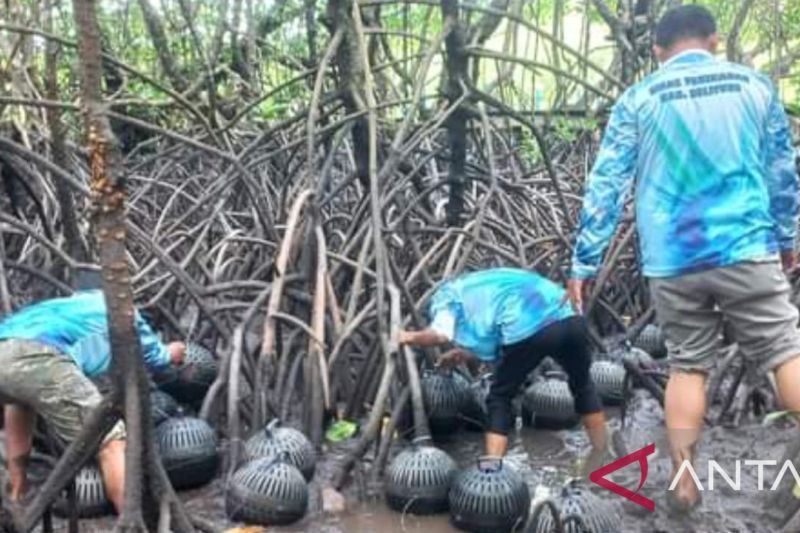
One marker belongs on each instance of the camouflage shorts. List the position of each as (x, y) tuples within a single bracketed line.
[(49, 382)]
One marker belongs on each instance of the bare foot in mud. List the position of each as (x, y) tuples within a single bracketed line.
[(685, 496)]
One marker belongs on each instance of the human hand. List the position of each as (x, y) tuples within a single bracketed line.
[(401, 337), (451, 358), (577, 291), (177, 353)]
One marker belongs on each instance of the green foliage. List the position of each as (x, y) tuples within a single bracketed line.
[(144, 91), (780, 416), (564, 130), (283, 49), (273, 108), (529, 149), (341, 430)]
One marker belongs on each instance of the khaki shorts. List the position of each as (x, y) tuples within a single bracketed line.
[(754, 297), (49, 382)]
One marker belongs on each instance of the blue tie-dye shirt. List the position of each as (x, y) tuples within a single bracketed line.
[(497, 307), (77, 326), (709, 147)]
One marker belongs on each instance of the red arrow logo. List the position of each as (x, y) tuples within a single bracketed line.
[(599, 476)]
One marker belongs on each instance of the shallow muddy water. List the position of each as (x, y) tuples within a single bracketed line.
[(548, 459)]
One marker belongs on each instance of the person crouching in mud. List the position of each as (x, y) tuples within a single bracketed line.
[(48, 352), (513, 318)]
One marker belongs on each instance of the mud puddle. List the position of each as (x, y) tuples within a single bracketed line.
[(548, 459)]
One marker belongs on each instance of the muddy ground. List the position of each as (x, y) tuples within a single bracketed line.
[(548, 459)]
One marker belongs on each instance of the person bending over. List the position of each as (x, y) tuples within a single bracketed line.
[(512, 318), (48, 352)]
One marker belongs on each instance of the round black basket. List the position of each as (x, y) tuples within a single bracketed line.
[(636, 356), (580, 511), (190, 382), (473, 407), (626, 354), (90, 495), (463, 384), (188, 448), (609, 379), (622, 351), (651, 340), (418, 480), (489, 497), (162, 406), (443, 399), (267, 492), (273, 440), (548, 404)]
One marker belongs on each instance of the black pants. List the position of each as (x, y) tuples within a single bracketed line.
[(566, 341)]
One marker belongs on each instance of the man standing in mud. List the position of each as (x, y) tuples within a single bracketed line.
[(708, 146), (513, 318), (48, 352)]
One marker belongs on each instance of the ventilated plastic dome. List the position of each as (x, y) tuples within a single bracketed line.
[(274, 440), (267, 492), (580, 512), (443, 399), (203, 361), (489, 497), (616, 350), (190, 382), (636, 355), (548, 403), (188, 448), (651, 340), (418, 480), (626, 354), (473, 405), (90, 495), (609, 379), (162, 406)]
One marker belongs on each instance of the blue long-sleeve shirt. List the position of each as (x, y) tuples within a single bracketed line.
[(77, 326), (485, 310), (709, 148)]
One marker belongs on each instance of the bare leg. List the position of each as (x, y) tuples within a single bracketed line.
[(595, 426), (787, 377), (112, 465), (496, 444), (685, 406), (19, 440)]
